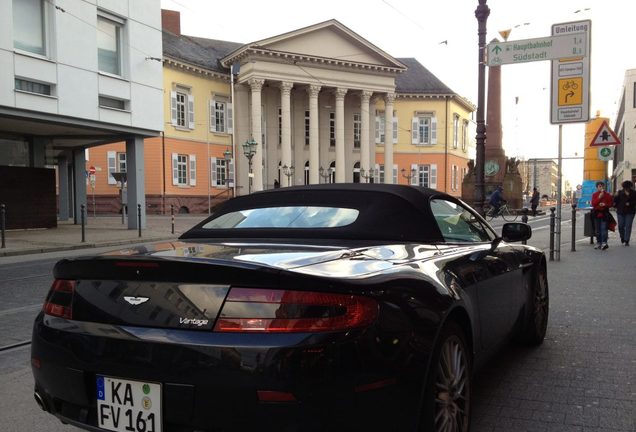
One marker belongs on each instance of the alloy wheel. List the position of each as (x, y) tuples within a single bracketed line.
[(452, 388)]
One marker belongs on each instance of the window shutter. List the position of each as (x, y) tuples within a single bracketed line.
[(395, 130), (175, 169), (112, 157), (377, 129), (415, 130), (193, 170), (434, 130), (212, 116), (395, 174), (213, 171), (230, 174), (433, 176), (173, 107), (376, 174), (416, 177), (230, 118), (191, 111)]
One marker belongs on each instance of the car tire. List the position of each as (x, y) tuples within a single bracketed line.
[(539, 305), (447, 396)]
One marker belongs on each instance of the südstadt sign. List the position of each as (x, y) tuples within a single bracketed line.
[(538, 49)]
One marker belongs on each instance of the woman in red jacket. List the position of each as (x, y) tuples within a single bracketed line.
[(601, 203)]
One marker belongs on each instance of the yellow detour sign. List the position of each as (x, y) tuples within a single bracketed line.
[(571, 91)]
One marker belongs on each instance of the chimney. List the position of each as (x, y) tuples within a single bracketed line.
[(171, 21)]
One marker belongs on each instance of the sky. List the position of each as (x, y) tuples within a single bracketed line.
[(442, 35)]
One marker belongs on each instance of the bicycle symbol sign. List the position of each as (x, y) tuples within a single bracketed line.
[(571, 91)]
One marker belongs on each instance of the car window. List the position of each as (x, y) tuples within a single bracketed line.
[(457, 223), (285, 217)]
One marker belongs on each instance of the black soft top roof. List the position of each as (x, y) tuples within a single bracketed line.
[(387, 213)]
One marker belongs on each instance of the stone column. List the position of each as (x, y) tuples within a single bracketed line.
[(314, 144), (388, 137), (62, 171), (365, 158), (257, 134), (285, 104), (340, 143)]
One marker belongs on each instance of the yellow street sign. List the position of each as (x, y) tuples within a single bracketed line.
[(570, 91), (505, 33)]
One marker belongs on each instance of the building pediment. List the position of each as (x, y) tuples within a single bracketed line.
[(327, 42)]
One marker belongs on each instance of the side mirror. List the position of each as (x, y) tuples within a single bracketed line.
[(514, 232)]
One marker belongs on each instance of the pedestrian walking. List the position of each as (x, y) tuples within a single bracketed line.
[(625, 203), (534, 201), (601, 203)]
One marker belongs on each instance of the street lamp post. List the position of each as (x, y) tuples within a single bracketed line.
[(249, 150), (289, 172), (409, 174), (481, 13), (325, 174), (367, 174)]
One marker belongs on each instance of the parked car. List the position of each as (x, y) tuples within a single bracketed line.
[(319, 308)]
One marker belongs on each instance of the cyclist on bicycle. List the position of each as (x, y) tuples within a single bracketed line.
[(497, 200)]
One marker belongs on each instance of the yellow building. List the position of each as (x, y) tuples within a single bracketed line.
[(314, 102)]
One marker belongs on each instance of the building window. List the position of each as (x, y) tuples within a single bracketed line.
[(635, 95), (108, 102), (221, 172), (220, 115), (29, 26), (357, 127), (32, 87), (454, 178), (184, 170), (356, 172), (332, 129), (426, 175), (379, 127), (464, 135), (455, 131), (307, 129), (182, 107), (280, 125), (424, 130), (379, 173), (332, 172), (116, 164), (109, 44)]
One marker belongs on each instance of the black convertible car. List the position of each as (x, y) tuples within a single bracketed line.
[(320, 308)]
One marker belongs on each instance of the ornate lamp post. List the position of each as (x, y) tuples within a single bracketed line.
[(367, 174), (249, 150), (289, 172), (409, 174), (481, 13), (325, 174)]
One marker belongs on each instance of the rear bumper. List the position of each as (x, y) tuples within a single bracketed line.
[(210, 382)]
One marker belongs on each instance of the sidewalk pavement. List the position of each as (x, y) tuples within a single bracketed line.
[(99, 231)]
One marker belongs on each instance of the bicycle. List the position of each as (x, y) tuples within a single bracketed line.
[(504, 212)]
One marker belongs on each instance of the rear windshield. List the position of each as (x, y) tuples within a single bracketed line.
[(285, 217)]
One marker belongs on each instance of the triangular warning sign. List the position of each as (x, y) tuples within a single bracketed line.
[(505, 33), (605, 136)]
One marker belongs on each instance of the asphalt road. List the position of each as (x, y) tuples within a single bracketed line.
[(514, 392)]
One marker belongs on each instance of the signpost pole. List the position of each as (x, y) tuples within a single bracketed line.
[(559, 197)]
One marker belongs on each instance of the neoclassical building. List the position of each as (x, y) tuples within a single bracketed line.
[(320, 104)]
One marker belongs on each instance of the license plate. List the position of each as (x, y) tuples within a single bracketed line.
[(128, 406)]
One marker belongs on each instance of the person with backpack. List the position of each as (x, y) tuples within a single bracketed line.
[(625, 203)]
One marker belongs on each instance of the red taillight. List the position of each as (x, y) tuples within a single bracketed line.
[(270, 311), (59, 301)]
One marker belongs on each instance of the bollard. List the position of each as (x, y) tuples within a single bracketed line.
[(524, 219), (139, 218), (3, 212), (172, 216), (552, 226), (573, 228), (83, 222)]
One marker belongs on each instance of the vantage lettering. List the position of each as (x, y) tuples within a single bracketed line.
[(193, 321)]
